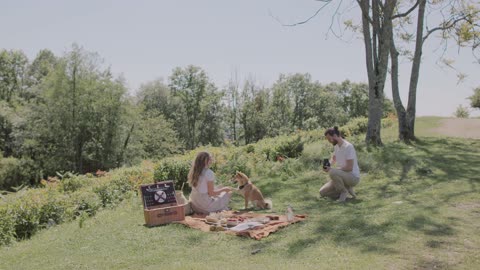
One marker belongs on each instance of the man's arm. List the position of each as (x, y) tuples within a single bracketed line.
[(348, 166)]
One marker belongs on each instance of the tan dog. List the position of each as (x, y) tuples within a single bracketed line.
[(250, 192)]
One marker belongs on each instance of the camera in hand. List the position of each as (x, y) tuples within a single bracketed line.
[(326, 163)]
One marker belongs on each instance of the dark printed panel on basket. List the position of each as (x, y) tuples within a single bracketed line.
[(159, 194)]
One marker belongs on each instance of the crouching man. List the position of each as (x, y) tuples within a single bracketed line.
[(346, 175)]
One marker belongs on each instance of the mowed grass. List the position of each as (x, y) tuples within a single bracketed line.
[(418, 207)]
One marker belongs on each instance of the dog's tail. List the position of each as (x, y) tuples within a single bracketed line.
[(268, 204)]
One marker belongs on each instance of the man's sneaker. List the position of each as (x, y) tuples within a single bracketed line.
[(343, 196), (350, 190)]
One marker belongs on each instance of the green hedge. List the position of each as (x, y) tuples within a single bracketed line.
[(174, 168), (24, 213), (280, 147), (16, 172)]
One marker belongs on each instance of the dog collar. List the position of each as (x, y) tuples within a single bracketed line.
[(242, 186)]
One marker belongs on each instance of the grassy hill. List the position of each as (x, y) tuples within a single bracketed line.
[(418, 207)]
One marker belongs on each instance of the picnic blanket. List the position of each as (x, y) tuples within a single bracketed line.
[(276, 222)]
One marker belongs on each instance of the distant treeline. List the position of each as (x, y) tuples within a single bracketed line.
[(68, 113)]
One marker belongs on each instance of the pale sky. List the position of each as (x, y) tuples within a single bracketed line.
[(145, 40)]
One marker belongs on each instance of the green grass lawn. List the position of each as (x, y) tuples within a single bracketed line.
[(417, 208)]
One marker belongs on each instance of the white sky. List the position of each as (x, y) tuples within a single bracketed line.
[(145, 40)]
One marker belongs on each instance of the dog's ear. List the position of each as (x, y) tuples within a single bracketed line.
[(242, 175)]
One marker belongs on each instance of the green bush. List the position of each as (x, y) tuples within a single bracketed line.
[(23, 213), (355, 126), (10, 173), (16, 172), (250, 148), (27, 218), (174, 168), (389, 121), (114, 192), (7, 226), (84, 202), (314, 153), (238, 161), (281, 147), (74, 183), (53, 209)]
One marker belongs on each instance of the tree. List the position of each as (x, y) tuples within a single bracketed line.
[(462, 112), (156, 138), (460, 24), (354, 98), (325, 106), (13, 65), (377, 32), (79, 125), (254, 104), (211, 119), (156, 98), (475, 98), (41, 66), (281, 108), (382, 22), (190, 86), (232, 95)]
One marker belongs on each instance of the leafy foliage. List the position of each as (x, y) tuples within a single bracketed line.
[(462, 112), (475, 98), (68, 113)]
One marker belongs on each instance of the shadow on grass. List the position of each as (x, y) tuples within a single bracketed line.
[(349, 228), (406, 172), (430, 227)]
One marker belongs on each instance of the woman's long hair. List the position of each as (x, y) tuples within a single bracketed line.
[(197, 168)]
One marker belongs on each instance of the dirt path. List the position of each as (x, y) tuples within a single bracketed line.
[(458, 127)]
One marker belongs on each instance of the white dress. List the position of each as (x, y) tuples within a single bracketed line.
[(201, 202)]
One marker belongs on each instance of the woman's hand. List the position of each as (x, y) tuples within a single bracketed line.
[(227, 189)]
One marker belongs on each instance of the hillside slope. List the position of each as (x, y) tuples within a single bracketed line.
[(417, 208)]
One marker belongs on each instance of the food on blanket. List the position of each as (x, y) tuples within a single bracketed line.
[(231, 223), (216, 228), (211, 219), (263, 220), (235, 220), (273, 217)]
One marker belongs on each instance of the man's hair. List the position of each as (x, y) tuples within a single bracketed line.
[(332, 131)]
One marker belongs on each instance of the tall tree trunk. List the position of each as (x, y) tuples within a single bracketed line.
[(377, 60), (401, 113), (235, 127), (417, 57), (74, 130), (125, 144)]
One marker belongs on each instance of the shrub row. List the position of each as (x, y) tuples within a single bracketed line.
[(230, 159), (16, 172), (26, 212)]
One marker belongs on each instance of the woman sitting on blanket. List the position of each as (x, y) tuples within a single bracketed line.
[(205, 197)]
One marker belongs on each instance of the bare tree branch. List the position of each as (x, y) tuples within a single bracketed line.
[(331, 22), (327, 2), (447, 26), (406, 13)]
